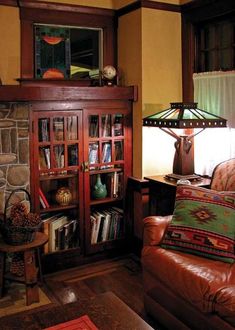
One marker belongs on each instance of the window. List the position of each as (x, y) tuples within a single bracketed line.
[(67, 52), (215, 45)]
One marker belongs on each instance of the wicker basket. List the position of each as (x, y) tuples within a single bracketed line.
[(15, 235)]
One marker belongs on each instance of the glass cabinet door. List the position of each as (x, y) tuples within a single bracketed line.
[(105, 179), (59, 156)]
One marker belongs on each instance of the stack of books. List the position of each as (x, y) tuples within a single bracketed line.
[(61, 231), (106, 225)]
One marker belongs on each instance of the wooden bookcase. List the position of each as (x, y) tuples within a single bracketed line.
[(76, 138), (64, 124)]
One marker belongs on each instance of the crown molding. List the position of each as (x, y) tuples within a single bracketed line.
[(148, 4), (90, 10), (34, 4), (11, 3)]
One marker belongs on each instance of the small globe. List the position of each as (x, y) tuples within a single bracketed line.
[(109, 72)]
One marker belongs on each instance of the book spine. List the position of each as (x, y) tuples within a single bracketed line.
[(42, 202), (43, 197)]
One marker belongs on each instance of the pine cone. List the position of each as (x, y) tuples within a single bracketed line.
[(17, 214), (32, 220)]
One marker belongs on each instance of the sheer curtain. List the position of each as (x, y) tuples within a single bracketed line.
[(215, 93)]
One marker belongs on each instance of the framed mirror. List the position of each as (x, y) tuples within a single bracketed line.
[(67, 52), (76, 41)]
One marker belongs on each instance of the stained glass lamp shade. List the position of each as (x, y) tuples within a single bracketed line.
[(184, 116)]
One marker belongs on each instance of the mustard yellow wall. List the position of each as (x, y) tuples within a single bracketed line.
[(149, 54), (161, 83), (9, 45), (129, 63)]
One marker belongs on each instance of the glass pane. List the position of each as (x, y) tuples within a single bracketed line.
[(44, 158), (118, 150), (226, 36), (58, 128), (226, 61), (72, 155), (210, 61), (118, 125), (72, 128), (106, 125), (59, 155), (93, 126), (106, 152), (93, 153), (210, 37), (85, 52), (44, 129)]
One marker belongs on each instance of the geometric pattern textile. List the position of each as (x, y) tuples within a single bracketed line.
[(203, 223), (81, 323)]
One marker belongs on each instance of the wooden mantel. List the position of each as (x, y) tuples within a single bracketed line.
[(23, 93)]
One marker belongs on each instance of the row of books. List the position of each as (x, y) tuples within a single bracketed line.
[(106, 225), (58, 155), (61, 231), (94, 153), (106, 125), (114, 183), (58, 128)]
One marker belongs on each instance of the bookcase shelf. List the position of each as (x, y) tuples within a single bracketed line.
[(54, 208), (56, 176), (104, 201), (72, 143)]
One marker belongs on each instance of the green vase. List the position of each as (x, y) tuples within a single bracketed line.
[(99, 189)]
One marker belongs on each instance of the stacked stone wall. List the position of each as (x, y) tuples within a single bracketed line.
[(14, 150)]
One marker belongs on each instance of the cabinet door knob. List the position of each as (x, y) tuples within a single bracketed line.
[(85, 166)]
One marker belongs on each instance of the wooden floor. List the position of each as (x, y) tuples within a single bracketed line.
[(122, 276)]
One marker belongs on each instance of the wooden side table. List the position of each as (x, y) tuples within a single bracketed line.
[(162, 193), (30, 278)]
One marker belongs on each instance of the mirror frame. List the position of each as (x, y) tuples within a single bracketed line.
[(73, 15)]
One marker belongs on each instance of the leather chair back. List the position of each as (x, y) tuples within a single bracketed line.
[(223, 176)]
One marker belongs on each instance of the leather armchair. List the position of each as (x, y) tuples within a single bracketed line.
[(185, 291)]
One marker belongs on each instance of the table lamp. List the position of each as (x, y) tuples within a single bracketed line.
[(186, 116)]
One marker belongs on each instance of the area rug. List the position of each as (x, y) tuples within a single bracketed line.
[(81, 323), (14, 300)]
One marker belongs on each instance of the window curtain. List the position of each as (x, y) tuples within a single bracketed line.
[(215, 93)]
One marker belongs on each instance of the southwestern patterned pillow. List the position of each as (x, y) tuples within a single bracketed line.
[(203, 223)]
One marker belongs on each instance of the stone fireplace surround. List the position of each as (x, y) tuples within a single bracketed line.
[(14, 149)]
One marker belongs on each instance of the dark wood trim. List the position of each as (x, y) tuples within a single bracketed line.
[(188, 59), (11, 3), (34, 4), (147, 4), (65, 15), (193, 13), (138, 184), (23, 93), (202, 10)]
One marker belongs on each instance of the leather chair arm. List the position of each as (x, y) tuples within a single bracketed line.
[(155, 228)]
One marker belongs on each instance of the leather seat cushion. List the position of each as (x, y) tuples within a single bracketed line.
[(200, 281)]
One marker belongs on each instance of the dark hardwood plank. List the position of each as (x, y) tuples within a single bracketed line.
[(120, 276)]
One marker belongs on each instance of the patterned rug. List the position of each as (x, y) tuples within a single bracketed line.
[(81, 323), (14, 300)]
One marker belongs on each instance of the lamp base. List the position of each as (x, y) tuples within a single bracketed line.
[(190, 177)]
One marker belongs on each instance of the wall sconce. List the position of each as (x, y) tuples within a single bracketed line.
[(186, 116)]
